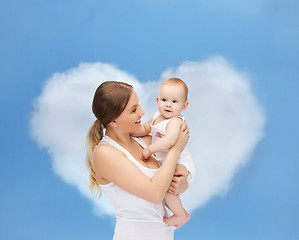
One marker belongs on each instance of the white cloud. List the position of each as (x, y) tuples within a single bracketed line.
[(224, 118), (226, 123)]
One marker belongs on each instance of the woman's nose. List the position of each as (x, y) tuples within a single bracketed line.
[(141, 111)]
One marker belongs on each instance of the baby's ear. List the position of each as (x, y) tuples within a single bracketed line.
[(185, 105), (157, 99)]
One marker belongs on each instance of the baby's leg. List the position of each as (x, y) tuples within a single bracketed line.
[(180, 216)]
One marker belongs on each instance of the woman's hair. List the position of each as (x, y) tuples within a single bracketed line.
[(109, 101)]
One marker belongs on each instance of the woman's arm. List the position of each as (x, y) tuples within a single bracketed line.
[(112, 164), (180, 181)]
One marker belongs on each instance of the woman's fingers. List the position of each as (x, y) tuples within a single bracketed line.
[(172, 190), (179, 184), (160, 135), (181, 170), (175, 179), (183, 138), (185, 127), (174, 185)]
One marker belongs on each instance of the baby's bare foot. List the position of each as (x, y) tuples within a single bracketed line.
[(176, 221)]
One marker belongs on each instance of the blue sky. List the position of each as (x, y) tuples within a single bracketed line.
[(260, 38)]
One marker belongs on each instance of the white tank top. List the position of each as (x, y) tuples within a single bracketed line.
[(136, 217), (185, 156)]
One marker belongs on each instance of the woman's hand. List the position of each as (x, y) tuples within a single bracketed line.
[(182, 139), (179, 182)]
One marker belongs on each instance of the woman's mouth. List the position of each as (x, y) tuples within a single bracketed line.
[(139, 121)]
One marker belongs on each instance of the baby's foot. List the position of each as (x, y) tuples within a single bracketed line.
[(177, 221)]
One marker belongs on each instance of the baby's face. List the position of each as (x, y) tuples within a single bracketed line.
[(172, 100)]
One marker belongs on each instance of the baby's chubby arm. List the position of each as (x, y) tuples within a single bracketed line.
[(166, 142), (144, 130)]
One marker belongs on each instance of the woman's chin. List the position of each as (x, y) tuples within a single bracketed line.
[(137, 127)]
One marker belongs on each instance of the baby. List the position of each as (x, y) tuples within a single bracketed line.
[(167, 122)]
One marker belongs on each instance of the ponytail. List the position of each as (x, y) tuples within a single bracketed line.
[(94, 136), (109, 101)]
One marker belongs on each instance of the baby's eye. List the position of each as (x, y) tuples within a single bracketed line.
[(164, 99), (174, 101)]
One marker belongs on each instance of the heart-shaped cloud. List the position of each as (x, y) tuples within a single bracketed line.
[(224, 118)]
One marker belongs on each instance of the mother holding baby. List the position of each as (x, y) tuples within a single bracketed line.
[(136, 187)]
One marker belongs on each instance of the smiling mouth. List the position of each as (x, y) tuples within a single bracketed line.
[(139, 121)]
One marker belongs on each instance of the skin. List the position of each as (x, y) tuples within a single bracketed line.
[(179, 182), (111, 165), (171, 102)]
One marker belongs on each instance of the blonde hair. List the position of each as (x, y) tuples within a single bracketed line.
[(176, 81), (110, 99)]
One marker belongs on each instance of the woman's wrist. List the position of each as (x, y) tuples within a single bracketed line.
[(175, 152)]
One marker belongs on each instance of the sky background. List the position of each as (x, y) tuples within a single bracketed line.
[(39, 38)]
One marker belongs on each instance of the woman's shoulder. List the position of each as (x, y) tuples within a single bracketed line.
[(105, 151)]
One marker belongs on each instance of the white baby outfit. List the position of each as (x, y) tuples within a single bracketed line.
[(136, 218), (185, 157)]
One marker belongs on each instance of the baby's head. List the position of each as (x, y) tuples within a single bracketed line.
[(172, 98)]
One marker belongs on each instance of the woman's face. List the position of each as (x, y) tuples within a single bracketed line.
[(130, 118)]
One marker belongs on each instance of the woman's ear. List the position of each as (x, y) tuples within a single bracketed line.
[(113, 124)]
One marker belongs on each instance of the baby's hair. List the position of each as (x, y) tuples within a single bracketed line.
[(176, 81)]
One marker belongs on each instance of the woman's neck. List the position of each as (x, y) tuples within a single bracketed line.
[(124, 139)]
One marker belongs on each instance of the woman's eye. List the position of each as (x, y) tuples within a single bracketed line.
[(134, 110)]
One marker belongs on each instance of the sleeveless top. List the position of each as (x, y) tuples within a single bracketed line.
[(185, 156), (136, 217)]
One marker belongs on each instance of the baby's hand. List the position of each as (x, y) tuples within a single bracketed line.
[(146, 153)]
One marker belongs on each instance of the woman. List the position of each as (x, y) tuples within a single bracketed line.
[(136, 187)]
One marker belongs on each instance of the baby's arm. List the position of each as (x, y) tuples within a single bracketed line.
[(144, 130), (166, 142)]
